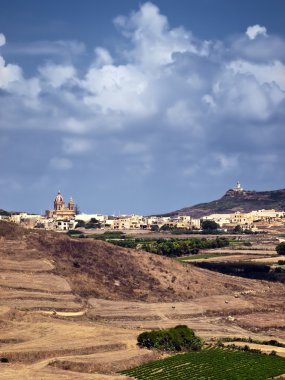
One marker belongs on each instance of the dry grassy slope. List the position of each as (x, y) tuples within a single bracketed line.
[(99, 269), (46, 271)]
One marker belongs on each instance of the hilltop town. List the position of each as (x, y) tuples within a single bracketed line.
[(65, 217)]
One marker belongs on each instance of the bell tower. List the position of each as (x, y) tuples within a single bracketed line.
[(71, 204)]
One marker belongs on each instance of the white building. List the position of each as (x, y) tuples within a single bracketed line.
[(87, 217)]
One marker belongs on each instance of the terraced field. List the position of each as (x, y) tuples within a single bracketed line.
[(72, 309), (28, 283), (215, 363)]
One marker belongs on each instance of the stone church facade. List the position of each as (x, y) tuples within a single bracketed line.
[(60, 211)]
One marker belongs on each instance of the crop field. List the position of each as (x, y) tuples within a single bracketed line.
[(213, 363)]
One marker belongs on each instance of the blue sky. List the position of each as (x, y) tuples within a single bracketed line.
[(139, 107)]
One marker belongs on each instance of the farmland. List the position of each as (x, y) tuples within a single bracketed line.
[(73, 308), (213, 363)]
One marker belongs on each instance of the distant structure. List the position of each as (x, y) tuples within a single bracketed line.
[(238, 188), (60, 211)]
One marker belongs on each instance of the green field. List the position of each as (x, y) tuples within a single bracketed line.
[(203, 256), (214, 364)]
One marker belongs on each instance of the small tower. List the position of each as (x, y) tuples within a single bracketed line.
[(238, 187), (71, 204), (59, 202)]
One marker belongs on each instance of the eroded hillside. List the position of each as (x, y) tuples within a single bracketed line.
[(98, 269)]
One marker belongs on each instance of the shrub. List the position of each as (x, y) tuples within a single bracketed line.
[(179, 338), (4, 360), (280, 249), (74, 232), (80, 223), (209, 225)]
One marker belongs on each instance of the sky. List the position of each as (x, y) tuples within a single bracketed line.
[(139, 107)]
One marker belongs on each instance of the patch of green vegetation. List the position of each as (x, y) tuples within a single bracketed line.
[(74, 232), (280, 248), (171, 247), (183, 247), (245, 269), (179, 338), (203, 256), (213, 363), (271, 342)]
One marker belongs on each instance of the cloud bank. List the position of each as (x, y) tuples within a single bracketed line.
[(168, 99)]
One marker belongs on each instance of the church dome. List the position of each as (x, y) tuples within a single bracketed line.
[(59, 198)]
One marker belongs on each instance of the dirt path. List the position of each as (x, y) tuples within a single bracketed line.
[(62, 313)]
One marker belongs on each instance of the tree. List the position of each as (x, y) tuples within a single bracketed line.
[(237, 229), (179, 338), (165, 227), (93, 223), (80, 224), (280, 249), (77, 210), (209, 225)]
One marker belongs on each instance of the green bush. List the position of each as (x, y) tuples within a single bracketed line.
[(179, 338), (74, 232), (183, 247), (80, 224), (209, 225), (280, 249)]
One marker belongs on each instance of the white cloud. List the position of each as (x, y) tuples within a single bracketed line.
[(264, 73), (73, 145), (117, 88), (103, 57), (253, 31), (57, 75), (9, 74), (241, 97), (167, 84), (154, 42), (2, 39), (60, 163)]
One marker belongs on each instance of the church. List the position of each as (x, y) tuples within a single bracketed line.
[(60, 211)]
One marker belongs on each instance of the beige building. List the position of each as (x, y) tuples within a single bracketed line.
[(240, 218)]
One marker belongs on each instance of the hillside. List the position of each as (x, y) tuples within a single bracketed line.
[(4, 213), (232, 201), (99, 269), (72, 309)]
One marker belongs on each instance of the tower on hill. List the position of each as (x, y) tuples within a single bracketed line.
[(238, 188), (60, 211)]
